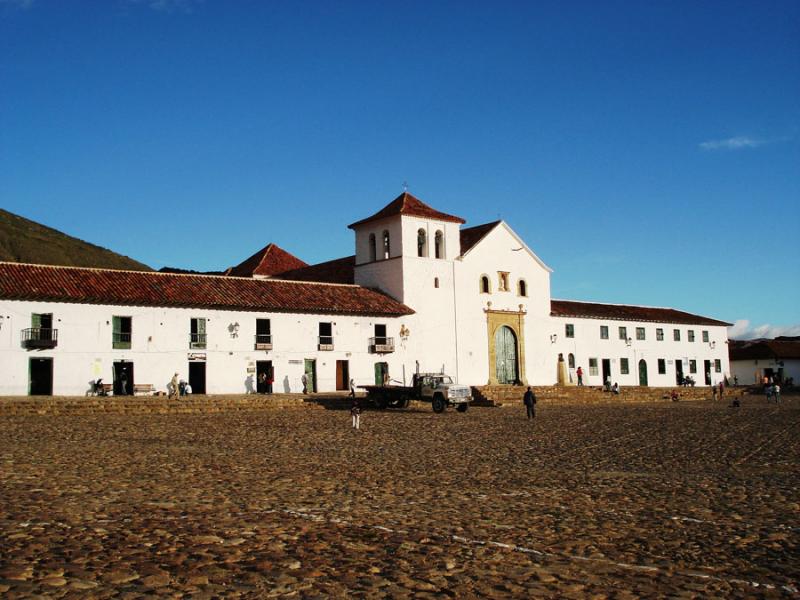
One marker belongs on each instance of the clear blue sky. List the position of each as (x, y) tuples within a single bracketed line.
[(649, 152)]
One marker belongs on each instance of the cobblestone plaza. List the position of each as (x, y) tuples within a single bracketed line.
[(689, 499)]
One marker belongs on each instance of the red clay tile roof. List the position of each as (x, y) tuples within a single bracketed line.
[(406, 204), (473, 235), (268, 261), (764, 349), (340, 270), (621, 312), (19, 281)]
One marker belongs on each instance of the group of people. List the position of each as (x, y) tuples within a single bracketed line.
[(178, 387), (265, 381), (773, 392)]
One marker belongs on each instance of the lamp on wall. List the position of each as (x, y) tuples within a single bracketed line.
[(628, 342), (712, 345), (553, 338)]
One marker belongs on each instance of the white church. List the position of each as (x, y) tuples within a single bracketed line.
[(421, 293)]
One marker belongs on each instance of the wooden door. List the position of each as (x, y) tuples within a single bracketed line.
[(505, 344)]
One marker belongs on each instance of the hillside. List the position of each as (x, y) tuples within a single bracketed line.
[(23, 240)]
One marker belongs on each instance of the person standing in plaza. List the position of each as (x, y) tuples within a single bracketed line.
[(262, 383), (529, 400), (355, 413), (776, 393), (304, 381), (270, 379), (721, 389), (579, 373), (172, 388), (352, 388)]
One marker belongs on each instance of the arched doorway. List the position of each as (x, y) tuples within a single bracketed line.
[(505, 343), (643, 373)]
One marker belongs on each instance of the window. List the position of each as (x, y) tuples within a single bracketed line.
[(263, 334), (121, 333), (522, 287), (373, 253), (717, 365), (705, 337), (436, 282), (380, 333), (569, 330), (640, 333), (603, 332), (676, 335), (438, 244), (623, 366), (325, 336), (485, 284), (41, 334), (692, 366), (197, 333), (502, 281), (386, 247), (571, 361), (660, 334), (690, 335), (623, 333), (662, 366), (593, 366), (422, 243)]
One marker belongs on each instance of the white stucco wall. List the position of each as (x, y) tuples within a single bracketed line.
[(751, 371), (160, 347)]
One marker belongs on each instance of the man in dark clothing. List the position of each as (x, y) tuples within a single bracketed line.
[(529, 400)]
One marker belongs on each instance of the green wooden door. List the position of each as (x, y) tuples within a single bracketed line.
[(505, 344), (643, 373), (380, 369)]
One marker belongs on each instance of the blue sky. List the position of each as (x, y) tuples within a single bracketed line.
[(648, 152)]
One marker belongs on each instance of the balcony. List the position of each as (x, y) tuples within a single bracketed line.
[(121, 341), (263, 341), (325, 342), (381, 345), (39, 338), (197, 340)]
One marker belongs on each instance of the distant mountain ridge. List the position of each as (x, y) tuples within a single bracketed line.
[(26, 241)]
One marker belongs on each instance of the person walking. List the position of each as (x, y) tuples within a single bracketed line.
[(304, 381), (776, 393), (352, 388), (768, 391), (270, 379), (172, 388), (721, 389), (529, 400), (355, 413), (579, 373)]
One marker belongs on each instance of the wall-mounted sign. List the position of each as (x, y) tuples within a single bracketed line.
[(251, 369), (196, 356)]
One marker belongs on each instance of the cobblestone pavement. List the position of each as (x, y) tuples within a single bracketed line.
[(619, 501)]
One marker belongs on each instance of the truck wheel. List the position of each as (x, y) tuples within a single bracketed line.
[(439, 404), (380, 401), (405, 401), (462, 407)]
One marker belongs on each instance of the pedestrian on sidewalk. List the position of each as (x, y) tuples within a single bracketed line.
[(529, 400), (304, 381), (355, 413), (579, 373), (352, 388)]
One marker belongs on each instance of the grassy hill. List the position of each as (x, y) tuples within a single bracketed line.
[(22, 240)]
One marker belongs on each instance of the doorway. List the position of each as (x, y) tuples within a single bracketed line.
[(381, 369), (311, 375), (606, 366), (197, 377), (264, 368), (678, 372), (505, 344), (342, 375), (123, 378), (707, 371), (41, 376), (642, 373)]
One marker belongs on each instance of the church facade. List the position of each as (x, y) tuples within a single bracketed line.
[(420, 293)]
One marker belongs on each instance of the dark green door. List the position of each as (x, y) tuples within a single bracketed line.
[(643, 373), (380, 369), (311, 375), (505, 345)]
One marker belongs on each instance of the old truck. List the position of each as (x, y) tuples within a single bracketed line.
[(436, 388)]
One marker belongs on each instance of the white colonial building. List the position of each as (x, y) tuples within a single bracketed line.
[(420, 293)]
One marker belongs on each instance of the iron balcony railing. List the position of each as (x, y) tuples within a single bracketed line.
[(325, 342), (263, 341), (39, 338), (121, 340), (381, 345), (197, 340)]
